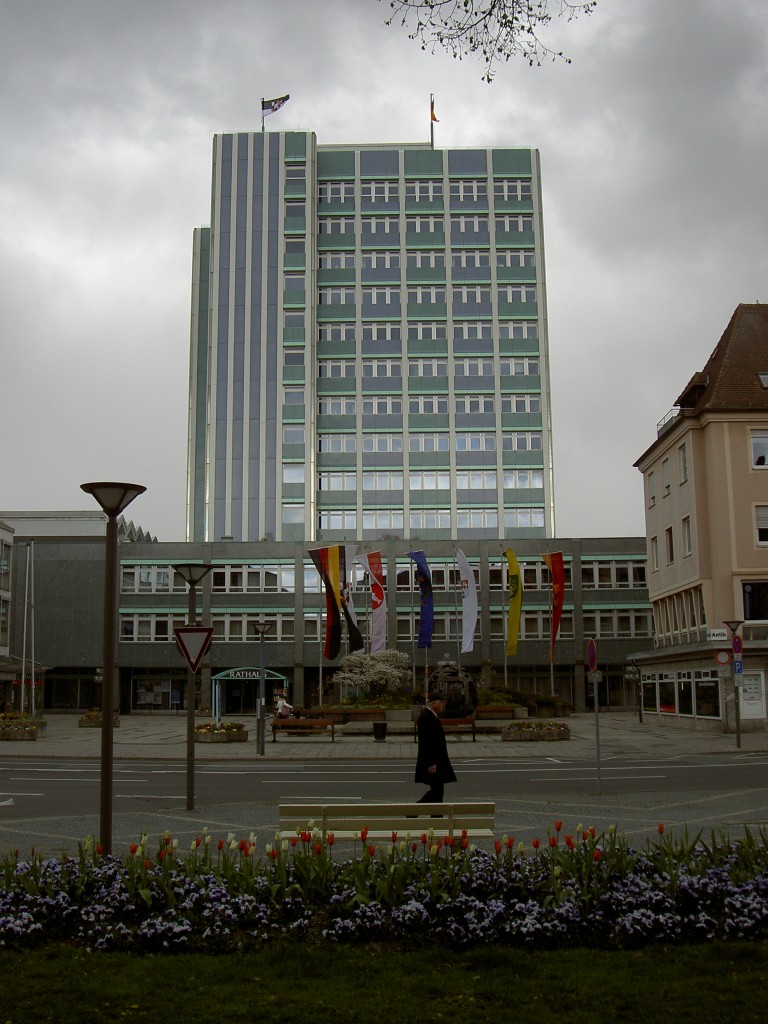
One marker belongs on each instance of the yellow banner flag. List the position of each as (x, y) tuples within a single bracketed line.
[(515, 581)]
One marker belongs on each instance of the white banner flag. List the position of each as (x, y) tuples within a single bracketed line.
[(378, 631), (469, 602)]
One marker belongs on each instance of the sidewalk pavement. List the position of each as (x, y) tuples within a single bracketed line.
[(523, 810)]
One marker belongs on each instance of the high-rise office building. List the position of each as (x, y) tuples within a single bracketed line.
[(369, 345)]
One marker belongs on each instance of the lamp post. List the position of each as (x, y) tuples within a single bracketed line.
[(192, 573), (734, 625), (113, 499), (262, 627)]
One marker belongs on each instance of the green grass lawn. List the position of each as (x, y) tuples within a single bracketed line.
[(292, 982)]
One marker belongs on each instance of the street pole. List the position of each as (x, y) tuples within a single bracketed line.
[(736, 644), (262, 627), (192, 573)]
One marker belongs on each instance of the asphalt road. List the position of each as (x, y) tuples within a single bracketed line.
[(51, 804)]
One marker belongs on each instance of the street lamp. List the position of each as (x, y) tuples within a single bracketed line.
[(262, 627), (192, 573), (113, 498), (734, 625)]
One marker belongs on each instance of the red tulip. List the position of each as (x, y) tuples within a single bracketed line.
[(535, 844), (318, 848), (331, 838), (553, 840), (558, 826), (596, 855), (294, 840), (464, 833), (497, 846), (414, 847), (147, 863), (660, 827), (371, 850), (273, 853), (134, 848), (394, 837), (510, 842), (424, 838), (569, 842), (221, 844), (364, 834)]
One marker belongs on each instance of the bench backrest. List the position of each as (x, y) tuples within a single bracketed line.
[(344, 820)]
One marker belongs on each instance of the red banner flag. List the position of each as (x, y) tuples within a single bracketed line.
[(554, 561)]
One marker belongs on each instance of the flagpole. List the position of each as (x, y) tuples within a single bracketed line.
[(506, 620), (262, 113), (431, 121), (551, 634), (459, 636)]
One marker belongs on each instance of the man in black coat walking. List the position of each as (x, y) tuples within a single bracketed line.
[(433, 766)]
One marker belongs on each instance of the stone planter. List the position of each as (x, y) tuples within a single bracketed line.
[(11, 733), (513, 735), (520, 713), (95, 723), (227, 736)]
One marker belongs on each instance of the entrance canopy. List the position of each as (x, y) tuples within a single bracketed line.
[(244, 674)]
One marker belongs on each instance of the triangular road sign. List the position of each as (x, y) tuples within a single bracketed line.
[(193, 642)]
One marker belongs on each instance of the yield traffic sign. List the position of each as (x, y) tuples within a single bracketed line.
[(193, 642)]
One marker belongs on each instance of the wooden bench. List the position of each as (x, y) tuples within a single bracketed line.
[(452, 725), (302, 726), (347, 820)]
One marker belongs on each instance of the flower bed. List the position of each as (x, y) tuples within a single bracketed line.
[(18, 731), (580, 888), (92, 719), (224, 732), (535, 729)]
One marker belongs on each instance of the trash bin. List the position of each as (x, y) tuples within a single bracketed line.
[(379, 731)]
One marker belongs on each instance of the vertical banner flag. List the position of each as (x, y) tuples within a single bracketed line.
[(427, 612), (378, 634), (515, 584), (328, 564), (356, 642), (468, 602), (556, 568)]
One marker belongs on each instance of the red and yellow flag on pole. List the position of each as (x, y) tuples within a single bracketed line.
[(515, 586), (554, 562), (329, 562)]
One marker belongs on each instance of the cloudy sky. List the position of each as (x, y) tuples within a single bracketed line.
[(654, 153)]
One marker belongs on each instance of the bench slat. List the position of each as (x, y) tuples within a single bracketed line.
[(346, 820)]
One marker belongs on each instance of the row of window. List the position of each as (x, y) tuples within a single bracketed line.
[(392, 405), (695, 694), (419, 480), (418, 330), (434, 259), (430, 224), (518, 366), (759, 454), (433, 519), (273, 577), (338, 295), (426, 441), (425, 190)]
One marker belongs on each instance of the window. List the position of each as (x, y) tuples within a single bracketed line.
[(424, 191), (293, 474), (382, 442), (424, 225), (513, 223), (336, 225), (522, 441), (336, 192), (474, 367), (521, 403), (518, 329), (293, 357), (336, 296), (428, 442), (426, 330), (517, 293), (336, 443), (430, 258), (380, 191), (513, 189), (472, 330), (760, 448), (526, 366), (515, 258), (686, 531), (654, 554), (381, 259), (293, 514), (682, 463), (383, 519), (469, 190), (336, 481), (437, 519), (293, 396), (670, 545), (296, 171), (383, 405), (477, 519), (336, 332), (337, 519), (476, 480), (761, 520), (475, 442), (429, 480), (336, 368), (381, 332), (426, 293), (382, 368), (380, 225), (336, 261), (471, 293), (651, 489), (377, 295), (665, 480), (474, 404), (465, 224), (522, 479), (293, 435), (755, 600), (383, 480), (470, 258), (336, 405), (427, 368)]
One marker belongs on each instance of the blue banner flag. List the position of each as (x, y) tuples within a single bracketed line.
[(427, 612)]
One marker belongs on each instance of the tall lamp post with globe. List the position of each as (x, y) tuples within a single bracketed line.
[(113, 499)]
